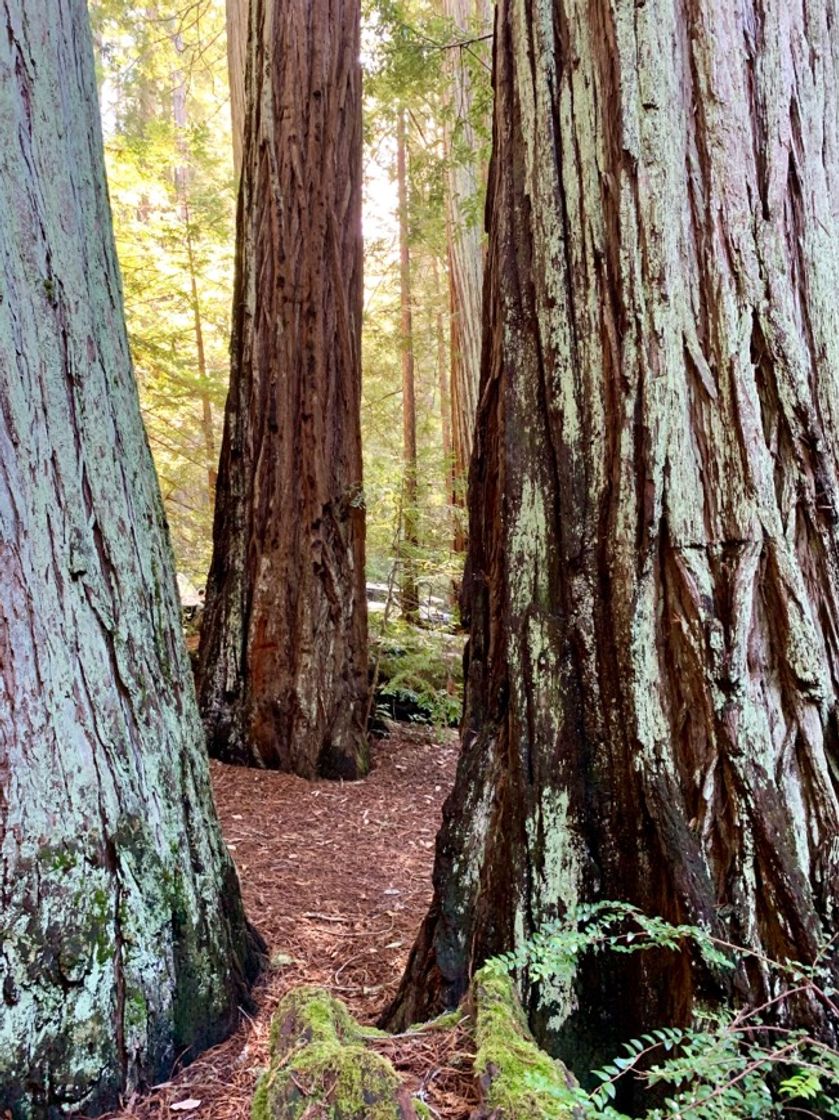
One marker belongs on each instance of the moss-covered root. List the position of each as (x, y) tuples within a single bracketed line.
[(514, 1076), (320, 1068)]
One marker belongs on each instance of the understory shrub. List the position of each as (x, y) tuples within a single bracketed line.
[(730, 1064)]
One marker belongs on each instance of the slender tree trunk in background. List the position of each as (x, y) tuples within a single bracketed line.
[(283, 657), (654, 547), (237, 53), (408, 590), (460, 465), (182, 190), (443, 355), (124, 941), (465, 179), (207, 425)]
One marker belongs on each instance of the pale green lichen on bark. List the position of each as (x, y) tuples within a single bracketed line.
[(106, 796)]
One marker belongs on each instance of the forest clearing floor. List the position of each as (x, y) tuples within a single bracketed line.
[(337, 878)]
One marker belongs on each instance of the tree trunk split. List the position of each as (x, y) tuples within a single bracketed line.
[(124, 944), (653, 576)]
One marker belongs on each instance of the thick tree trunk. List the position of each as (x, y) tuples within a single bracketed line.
[(283, 658), (237, 14), (408, 590), (123, 938), (465, 179), (654, 548)]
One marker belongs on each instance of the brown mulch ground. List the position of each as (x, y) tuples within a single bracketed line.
[(336, 876)]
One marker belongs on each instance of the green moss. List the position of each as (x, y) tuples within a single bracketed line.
[(136, 1011), (308, 1014), (515, 1076), (445, 1022), (318, 1060)]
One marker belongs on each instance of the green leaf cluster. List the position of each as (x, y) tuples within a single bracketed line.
[(729, 1064)]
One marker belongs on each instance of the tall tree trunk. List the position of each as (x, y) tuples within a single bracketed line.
[(654, 549), (443, 368), (237, 16), (182, 190), (465, 178), (124, 941), (408, 590), (207, 423), (283, 657)]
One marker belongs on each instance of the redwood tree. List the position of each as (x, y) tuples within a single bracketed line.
[(408, 589), (236, 19), (124, 944), (653, 573), (283, 657), (465, 180)]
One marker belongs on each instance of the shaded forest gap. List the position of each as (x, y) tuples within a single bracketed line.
[(337, 878)]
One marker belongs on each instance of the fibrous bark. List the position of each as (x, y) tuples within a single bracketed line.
[(654, 535), (283, 658), (408, 590), (465, 182), (236, 19), (123, 944)]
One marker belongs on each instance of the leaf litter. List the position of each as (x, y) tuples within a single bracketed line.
[(337, 878)]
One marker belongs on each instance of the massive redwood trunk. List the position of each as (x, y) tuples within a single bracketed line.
[(124, 944), (283, 658), (654, 549)]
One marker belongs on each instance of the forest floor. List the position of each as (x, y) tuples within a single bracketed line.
[(337, 878)]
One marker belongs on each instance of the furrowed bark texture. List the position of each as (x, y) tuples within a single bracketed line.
[(283, 658), (465, 180), (408, 589), (653, 578), (236, 21), (122, 938)]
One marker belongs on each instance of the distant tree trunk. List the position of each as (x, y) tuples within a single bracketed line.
[(654, 550), (182, 190), (443, 369), (464, 186), (237, 12), (283, 657), (124, 941), (408, 590), (207, 423)]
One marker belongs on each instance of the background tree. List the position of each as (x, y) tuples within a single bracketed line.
[(124, 941), (168, 152), (408, 591), (466, 123), (283, 656), (238, 14), (406, 52), (652, 678)]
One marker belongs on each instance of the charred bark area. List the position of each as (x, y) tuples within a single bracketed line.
[(283, 656), (123, 944), (653, 582)]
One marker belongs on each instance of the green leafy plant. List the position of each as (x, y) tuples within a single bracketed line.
[(420, 667), (730, 1064)]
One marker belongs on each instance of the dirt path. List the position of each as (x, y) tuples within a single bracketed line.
[(337, 879)]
